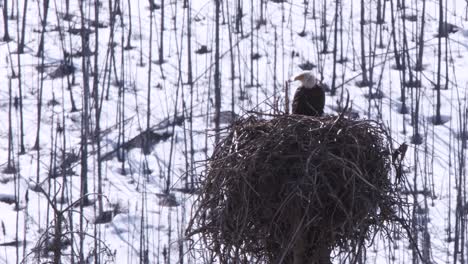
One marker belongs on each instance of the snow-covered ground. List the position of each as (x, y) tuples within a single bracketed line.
[(146, 192)]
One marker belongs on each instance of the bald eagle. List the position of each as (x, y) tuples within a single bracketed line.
[(309, 98)]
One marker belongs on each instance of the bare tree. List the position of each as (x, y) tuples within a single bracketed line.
[(45, 12), (67, 10), (239, 15), (84, 132), (129, 36), (394, 38), (419, 61), (335, 47), (365, 80), (97, 107), (23, 27), (10, 168), (438, 118), (161, 43), (6, 35), (217, 74), (323, 28), (191, 85), (148, 95), (20, 95)]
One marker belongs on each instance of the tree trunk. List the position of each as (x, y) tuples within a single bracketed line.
[(217, 77), (335, 48), (6, 35), (23, 27), (419, 62), (365, 80), (438, 119), (44, 24), (161, 43)]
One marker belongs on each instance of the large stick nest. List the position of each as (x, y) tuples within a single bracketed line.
[(273, 186)]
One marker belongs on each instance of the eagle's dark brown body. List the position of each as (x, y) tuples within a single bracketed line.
[(309, 101)]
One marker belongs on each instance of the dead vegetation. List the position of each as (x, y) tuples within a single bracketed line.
[(293, 188)]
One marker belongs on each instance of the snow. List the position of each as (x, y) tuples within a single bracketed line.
[(147, 218)]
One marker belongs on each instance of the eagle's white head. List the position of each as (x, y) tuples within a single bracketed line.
[(307, 79)]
